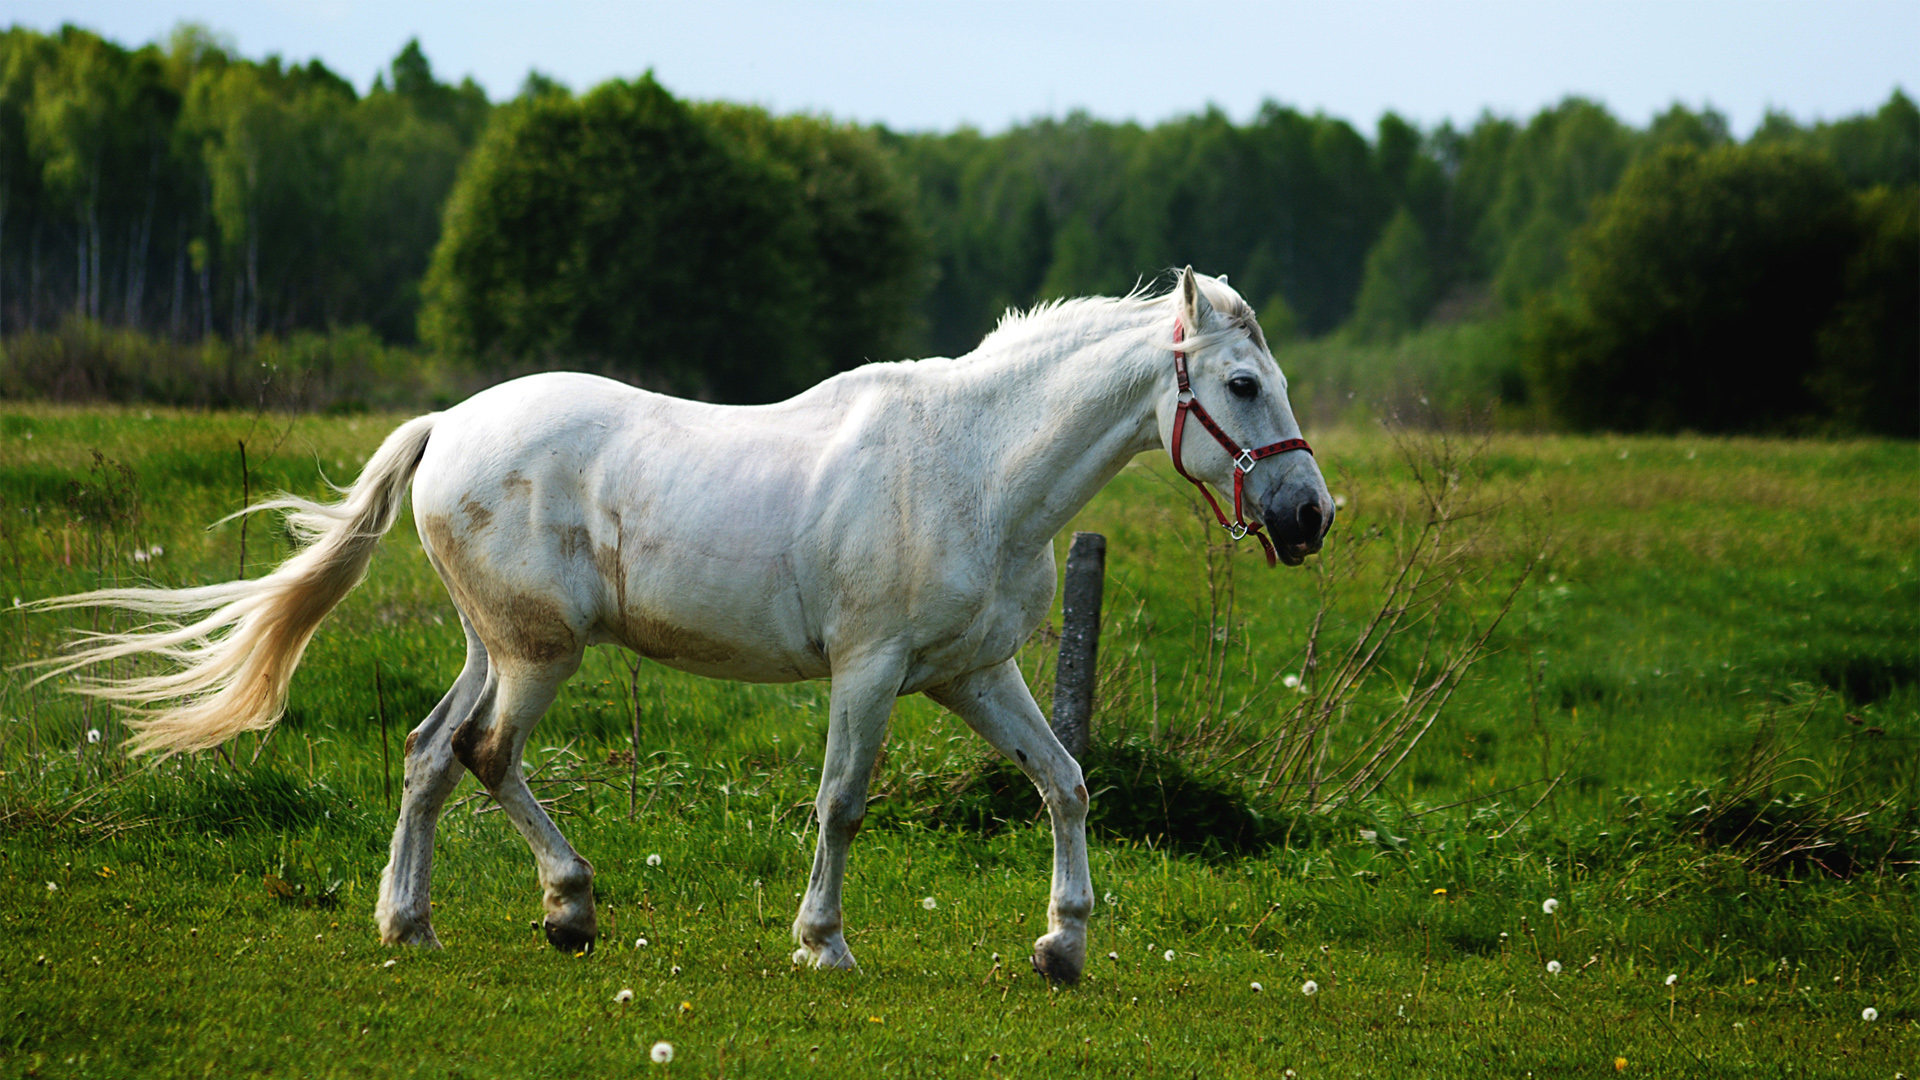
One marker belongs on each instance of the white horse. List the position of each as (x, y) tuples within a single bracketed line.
[(890, 529)]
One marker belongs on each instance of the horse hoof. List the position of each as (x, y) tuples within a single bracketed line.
[(419, 934), (569, 940), (1057, 962)]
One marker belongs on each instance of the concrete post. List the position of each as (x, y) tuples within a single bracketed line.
[(1078, 669)]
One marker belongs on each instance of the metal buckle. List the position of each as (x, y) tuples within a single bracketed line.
[(1246, 461), (1235, 529)]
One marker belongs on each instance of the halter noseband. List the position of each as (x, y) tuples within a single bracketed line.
[(1243, 460)]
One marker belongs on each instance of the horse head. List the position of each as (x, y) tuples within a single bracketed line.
[(1250, 449)]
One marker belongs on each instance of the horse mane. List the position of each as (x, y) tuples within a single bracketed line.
[(1048, 316)]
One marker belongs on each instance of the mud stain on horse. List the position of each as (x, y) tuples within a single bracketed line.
[(656, 639), (521, 625), (412, 737), (483, 751), (517, 484), (478, 516), (574, 540)]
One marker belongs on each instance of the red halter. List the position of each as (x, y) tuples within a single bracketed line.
[(1243, 460)]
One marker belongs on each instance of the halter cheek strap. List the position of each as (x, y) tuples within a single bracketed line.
[(1243, 460)]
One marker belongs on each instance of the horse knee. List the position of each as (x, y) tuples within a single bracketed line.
[(1068, 804), (841, 815)]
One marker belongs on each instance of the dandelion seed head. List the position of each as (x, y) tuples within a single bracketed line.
[(1869, 1014), (1553, 967), (1167, 956), (624, 997), (1309, 988), (661, 1053), (1550, 905), (929, 903), (654, 860)]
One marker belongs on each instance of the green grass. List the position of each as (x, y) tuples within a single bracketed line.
[(1704, 597)]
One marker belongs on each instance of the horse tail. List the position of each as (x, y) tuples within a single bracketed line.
[(230, 668)]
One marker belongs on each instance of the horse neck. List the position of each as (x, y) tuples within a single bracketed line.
[(1073, 406)]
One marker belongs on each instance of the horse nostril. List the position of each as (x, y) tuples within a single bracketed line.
[(1311, 525)]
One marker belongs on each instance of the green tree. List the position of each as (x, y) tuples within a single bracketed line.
[(1869, 373), (1398, 288), (626, 231), (1696, 296)]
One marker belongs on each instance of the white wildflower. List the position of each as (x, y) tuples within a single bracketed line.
[(1550, 905), (662, 1053), (51, 887), (1339, 502), (156, 551), (1114, 956), (1553, 967), (1869, 1014), (1257, 988), (929, 903), (1309, 988), (639, 943), (1291, 681), (654, 860), (389, 963), (1672, 978), (624, 997), (93, 735), (1167, 956), (675, 970)]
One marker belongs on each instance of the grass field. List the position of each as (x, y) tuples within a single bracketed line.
[(1696, 730)]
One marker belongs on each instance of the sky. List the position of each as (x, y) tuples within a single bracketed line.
[(916, 65)]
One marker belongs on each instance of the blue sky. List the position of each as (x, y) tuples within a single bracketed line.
[(924, 65)]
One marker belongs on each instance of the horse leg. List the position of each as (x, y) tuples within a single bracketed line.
[(490, 746), (996, 703), (404, 912), (862, 699)]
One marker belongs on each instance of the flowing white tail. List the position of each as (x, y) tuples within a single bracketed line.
[(234, 663)]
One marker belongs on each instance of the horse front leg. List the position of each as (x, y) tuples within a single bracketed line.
[(404, 912), (996, 703), (862, 699)]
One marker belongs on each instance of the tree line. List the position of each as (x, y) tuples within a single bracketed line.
[(185, 193)]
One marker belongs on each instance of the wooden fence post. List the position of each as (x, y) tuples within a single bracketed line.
[(1078, 668)]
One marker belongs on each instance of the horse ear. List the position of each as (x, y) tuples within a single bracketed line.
[(1194, 308)]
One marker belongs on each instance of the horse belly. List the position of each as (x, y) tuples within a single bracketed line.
[(730, 626)]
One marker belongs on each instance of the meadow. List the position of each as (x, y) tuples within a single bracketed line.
[(1693, 729)]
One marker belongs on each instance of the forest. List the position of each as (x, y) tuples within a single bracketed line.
[(180, 223)]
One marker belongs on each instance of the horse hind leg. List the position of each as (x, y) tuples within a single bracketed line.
[(490, 745), (404, 911)]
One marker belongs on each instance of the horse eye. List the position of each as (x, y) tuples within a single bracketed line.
[(1244, 386)]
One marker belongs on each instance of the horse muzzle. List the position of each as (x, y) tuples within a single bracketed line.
[(1298, 521)]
